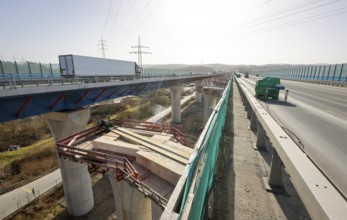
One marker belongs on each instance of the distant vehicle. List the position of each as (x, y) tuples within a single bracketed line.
[(191, 85), (246, 75), (13, 148), (268, 87), (75, 65)]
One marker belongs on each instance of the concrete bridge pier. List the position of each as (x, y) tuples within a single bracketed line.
[(130, 203), (75, 176), (176, 94), (157, 211), (211, 95), (198, 91)]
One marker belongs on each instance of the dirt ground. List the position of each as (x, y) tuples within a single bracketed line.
[(239, 190)]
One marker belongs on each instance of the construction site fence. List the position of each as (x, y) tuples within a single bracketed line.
[(190, 195)]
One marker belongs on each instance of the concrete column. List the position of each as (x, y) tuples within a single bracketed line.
[(211, 96), (130, 203), (157, 211), (198, 91), (176, 94), (207, 93), (75, 176)]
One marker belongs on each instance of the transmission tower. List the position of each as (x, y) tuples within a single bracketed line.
[(102, 46), (139, 52)]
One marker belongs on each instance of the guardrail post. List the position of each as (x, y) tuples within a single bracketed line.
[(2, 68), (328, 72), (253, 122), (340, 73), (275, 181), (249, 110), (334, 72), (323, 73), (13, 82), (260, 144)]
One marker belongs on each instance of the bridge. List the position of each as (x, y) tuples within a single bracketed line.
[(323, 197)]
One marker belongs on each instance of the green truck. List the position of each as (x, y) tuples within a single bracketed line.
[(268, 87)]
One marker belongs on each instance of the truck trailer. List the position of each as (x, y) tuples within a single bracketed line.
[(76, 65)]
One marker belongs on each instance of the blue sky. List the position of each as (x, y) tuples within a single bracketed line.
[(177, 31)]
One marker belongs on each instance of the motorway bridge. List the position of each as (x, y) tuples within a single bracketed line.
[(27, 97), (316, 117)]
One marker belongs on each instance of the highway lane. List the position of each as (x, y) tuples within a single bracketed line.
[(317, 115)]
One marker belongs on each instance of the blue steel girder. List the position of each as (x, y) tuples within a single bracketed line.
[(26, 102)]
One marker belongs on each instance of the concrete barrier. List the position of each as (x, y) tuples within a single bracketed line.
[(320, 197)]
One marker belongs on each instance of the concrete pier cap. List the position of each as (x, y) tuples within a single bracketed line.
[(75, 176), (211, 95), (176, 95)]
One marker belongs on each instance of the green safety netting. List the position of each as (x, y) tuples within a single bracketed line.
[(206, 158)]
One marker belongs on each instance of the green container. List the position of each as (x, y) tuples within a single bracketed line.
[(269, 84)]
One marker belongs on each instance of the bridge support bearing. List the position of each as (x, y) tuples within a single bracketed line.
[(176, 94), (275, 182), (130, 202), (75, 176)]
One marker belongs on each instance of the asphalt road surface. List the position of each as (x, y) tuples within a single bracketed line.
[(19, 197), (317, 115)]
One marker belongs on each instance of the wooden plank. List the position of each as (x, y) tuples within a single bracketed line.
[(135, 138)]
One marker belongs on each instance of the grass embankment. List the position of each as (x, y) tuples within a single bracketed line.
[(27, 163)]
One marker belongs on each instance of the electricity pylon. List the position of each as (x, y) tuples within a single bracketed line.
[(139, 52)]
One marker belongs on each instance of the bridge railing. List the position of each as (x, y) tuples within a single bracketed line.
[(320, 197), (322, 74), (13, 81)]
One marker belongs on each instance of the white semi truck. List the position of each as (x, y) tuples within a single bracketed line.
[(76, 65)]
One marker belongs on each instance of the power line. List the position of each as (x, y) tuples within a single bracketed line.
[(139, 51), (107, 17), (102, 46), (212, 23), (142, 21), (274, 27), (122, 21)]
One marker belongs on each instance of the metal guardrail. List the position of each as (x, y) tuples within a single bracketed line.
[(320, 197)]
